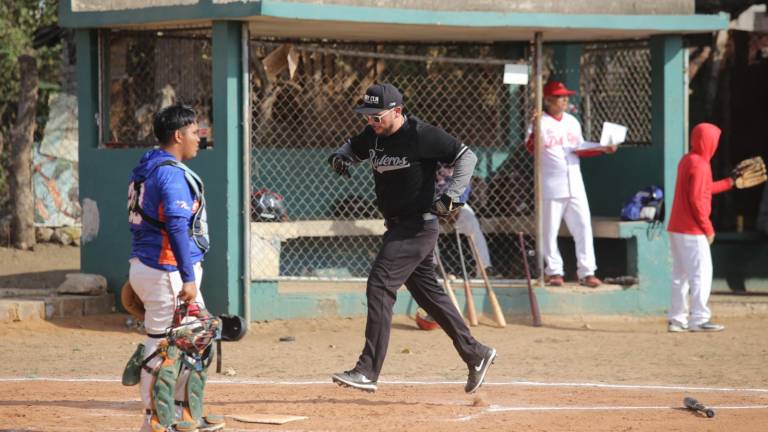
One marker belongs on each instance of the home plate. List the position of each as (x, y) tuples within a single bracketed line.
[(277, 419)]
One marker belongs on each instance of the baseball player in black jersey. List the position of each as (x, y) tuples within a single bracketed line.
[(403, 153)]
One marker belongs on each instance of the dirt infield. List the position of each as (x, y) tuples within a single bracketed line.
[(575, 374)]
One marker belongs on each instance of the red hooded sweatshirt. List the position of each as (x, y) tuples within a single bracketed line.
[(694, 188)]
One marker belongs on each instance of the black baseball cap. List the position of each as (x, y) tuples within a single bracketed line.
[(378, 98)]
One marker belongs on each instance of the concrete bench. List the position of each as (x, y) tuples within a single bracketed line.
[(267, 237), (605, 227)]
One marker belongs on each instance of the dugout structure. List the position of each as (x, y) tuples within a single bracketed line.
[(274, 81)]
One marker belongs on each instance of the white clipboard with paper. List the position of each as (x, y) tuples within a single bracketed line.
[(612, 134)]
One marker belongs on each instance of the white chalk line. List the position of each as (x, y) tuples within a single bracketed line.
[(417, 383), (545, 408), (497, 408)]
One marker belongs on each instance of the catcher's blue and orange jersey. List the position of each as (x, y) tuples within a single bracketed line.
[(164, 195)]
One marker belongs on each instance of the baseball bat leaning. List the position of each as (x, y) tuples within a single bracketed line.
[(535, 314), (446, 282), (497, 313), (693, 404), (471, 312)]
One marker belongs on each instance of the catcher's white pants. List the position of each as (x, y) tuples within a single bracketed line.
[(467, 224), (575, 211), (691, 271), (159, 290)]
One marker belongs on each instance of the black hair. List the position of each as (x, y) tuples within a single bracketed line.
[(170, 119)]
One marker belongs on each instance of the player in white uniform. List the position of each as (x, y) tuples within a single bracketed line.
[(563, 193)]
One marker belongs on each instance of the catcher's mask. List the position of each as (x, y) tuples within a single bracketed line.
[(233, 327), (268, 206), (193, 328)]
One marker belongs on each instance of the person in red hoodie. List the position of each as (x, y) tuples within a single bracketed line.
[(691, 233)]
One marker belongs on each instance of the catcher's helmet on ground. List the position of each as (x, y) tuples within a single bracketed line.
[(424, 321), (268, 206), (233, 327)]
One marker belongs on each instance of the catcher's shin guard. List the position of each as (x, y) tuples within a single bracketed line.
[(155, 426), (164, 385), (132, 371), (192, 407)]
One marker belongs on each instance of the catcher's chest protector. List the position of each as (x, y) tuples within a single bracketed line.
[(199, 230)]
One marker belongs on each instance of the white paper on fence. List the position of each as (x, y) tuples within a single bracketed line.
[(613, 134), (515, 74)]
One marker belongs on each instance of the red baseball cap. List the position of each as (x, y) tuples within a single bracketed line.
[(556, 88)]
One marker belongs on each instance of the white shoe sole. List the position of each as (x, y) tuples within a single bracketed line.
[(703, 330), (370, 388)]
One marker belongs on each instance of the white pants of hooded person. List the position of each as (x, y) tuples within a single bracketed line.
[(691, 272), (575, 212), (467, 224), (159, 290)]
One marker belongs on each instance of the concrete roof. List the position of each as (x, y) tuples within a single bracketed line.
[(290, 19)]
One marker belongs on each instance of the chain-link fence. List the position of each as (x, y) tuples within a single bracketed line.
[(143, 71), (615, 86), (309, 222)]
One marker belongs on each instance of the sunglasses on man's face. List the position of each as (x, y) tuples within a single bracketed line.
[(377, 118)]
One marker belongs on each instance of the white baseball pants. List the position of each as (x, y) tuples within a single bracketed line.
[(691, 271), (159, 290), (467, 224), (575, 211)]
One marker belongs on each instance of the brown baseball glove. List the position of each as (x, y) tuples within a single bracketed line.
[(749, 173), (131, 302)]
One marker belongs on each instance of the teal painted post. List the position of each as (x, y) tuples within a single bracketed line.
[(668, 93), (668, 109), (86, 42), (86, 46), (222, 170)]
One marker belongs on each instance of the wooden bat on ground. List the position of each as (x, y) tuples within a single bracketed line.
[(446, 282), (531, 295), (693, 404), (497, 313), (471, 312)]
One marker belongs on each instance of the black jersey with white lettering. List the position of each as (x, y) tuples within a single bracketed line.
[(404, 164)]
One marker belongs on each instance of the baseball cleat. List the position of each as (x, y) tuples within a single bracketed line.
[(708, 326), (354, 380), (674, 326), (555, 280), (210, 423), (590, 281), (477, 372)]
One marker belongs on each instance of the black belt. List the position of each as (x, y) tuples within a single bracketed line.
[(394, 220)]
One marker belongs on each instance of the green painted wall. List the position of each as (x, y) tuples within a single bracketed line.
[(103, 175), (105, 172), (740, 261)]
